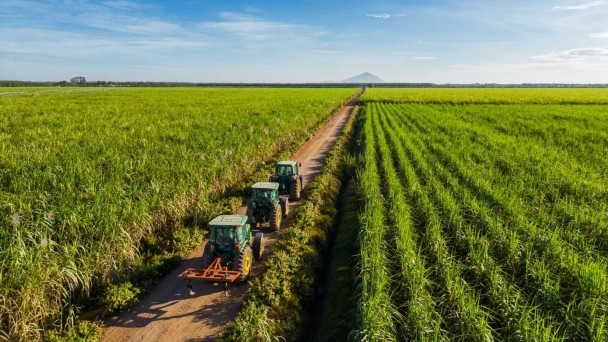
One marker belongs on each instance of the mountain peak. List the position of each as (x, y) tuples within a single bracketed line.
[(365, 77)]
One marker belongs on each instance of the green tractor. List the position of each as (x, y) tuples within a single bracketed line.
[(231, 245), (291, 181), (266, 205)]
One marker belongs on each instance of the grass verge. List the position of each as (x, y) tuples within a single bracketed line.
[(337, 315)]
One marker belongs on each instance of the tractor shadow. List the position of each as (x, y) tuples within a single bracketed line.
[(174, 302)]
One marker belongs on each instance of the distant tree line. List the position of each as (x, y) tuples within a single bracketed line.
[(81, 82)]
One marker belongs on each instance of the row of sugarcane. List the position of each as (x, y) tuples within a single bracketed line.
[(451, 247)]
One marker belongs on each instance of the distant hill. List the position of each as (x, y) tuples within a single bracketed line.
[(365, 77)]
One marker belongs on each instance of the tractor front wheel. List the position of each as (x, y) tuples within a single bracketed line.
[(295, 190), (275, 218), (285, 207), (258, 246), (242, 263)]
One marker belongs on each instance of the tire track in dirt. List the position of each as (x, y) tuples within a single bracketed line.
[(169, 313)]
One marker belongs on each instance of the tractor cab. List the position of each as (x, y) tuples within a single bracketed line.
[(291, 181), (285, 169), (265, 195), (266, 205), (227, 234)]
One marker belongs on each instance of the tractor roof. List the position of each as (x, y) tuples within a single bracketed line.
[(229, 220), (286, 162), (265, 185)]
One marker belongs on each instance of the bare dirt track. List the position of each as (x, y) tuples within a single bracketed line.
[(169, 313)]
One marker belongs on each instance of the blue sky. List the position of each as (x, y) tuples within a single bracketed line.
[(305, 41)]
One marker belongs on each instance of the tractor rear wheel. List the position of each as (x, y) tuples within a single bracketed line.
[(251, 218), (242, 263), (285, 206), (295, 191), (207, 260), (258, 246), (275, 218)]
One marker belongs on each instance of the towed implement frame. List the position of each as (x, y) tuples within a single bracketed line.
[(214, 273)]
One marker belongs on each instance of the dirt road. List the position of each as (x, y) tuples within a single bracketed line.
[(169, 313)]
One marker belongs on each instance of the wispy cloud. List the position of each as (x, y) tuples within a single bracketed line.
[(255, 28), (579, 7), (425, 58), (114, 16), (573, 54), (600, 35), (384, 15), (466, 44)]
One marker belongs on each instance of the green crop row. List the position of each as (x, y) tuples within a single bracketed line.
[(483, 222), (487, 96), (85, 178)]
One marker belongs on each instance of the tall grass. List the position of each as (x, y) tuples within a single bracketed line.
[(84, 177)]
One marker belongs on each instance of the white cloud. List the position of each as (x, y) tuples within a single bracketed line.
[(254, 28), (384, 15), (573, 54), (425, 58), (580, 7), (381, 16), (600, 35)]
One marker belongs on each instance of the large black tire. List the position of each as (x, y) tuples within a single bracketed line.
[(275, 218), (258, 246), (242, 262), (295, 190), (207, 260), (284, 206), (251, 218)]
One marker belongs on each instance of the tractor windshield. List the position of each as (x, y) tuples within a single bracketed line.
[(224, 235), (284, 170), (262, 195)]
